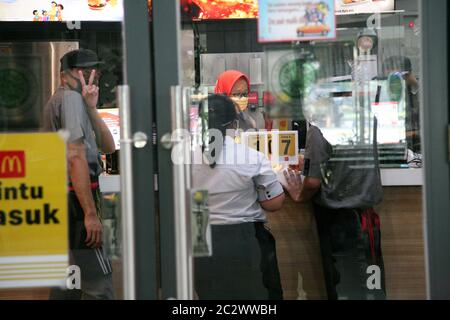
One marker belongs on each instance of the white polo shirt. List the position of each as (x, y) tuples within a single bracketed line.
[(241, 178)]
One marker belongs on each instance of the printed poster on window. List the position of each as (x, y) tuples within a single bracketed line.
[(34, 238), (296, 20), (363, 6), (61, 10)]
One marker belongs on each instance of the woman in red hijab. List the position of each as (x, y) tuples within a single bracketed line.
[(228, 79), (236, 85)]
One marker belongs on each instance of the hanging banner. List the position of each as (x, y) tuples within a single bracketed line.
[(296, 20), (33, 210), (61, 10), (363, 6)]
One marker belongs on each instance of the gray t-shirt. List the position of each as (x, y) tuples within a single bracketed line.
[(351, 182), (317, 152), (66, 110)]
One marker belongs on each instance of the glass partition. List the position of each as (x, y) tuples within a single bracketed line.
[(351, 108), (48, 117)]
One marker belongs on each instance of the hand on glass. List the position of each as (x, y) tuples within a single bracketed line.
[(90, 90), (292, 183)]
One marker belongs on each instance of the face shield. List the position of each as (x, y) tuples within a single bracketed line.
[(317, 107)]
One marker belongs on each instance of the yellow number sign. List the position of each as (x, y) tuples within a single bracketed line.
[(279, 146), (33, 210), (287, 144), (256, 140), (283, 146)]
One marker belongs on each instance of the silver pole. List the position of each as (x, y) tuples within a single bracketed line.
[(126, 187), (183, 246)]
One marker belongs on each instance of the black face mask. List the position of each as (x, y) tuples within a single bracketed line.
[(79, 87)]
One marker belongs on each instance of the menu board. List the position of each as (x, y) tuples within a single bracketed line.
[(363, 6), (220, 9), (248, 9), (296, 20), (112, 10), (61, 10)]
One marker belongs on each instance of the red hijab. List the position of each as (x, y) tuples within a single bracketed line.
[(227, 79)]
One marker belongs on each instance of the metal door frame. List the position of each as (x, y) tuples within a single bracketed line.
[(140, 263), (173, 180), (165, 47), (435, 120)]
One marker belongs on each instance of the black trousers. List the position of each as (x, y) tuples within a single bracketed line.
[(348, 248), (269, 262), (243, 265)]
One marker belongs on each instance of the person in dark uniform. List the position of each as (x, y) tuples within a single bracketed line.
[(73, 108), (403, 67), (349, 236)]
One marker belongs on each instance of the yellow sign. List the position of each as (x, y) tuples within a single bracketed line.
[(257, 141), (279, 146), (283, 147), (33, 211), (287, 144)]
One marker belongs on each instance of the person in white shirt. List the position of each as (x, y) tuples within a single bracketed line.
[(242, 187)]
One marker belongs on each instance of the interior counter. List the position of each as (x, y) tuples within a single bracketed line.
[(389, 178), (298, 248), (402, 243)]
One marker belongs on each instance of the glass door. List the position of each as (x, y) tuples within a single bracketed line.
[(377, 65), (68, 76)]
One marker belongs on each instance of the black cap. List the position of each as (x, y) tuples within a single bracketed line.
[(81, 58)]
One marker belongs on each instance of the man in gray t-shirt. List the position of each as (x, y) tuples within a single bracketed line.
[(343, 241), (66, 110), (73, 108)]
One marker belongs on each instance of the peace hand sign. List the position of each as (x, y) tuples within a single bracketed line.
[(89, 91)]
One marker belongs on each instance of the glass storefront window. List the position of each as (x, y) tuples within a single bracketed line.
[(309, 187), (40, 100), (361, 91)]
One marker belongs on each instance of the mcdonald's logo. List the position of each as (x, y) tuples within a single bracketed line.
[(12, 164)]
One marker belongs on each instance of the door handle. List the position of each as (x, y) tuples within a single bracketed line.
[(126, 184), (167, 142)]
